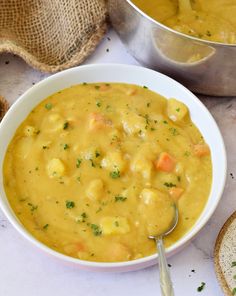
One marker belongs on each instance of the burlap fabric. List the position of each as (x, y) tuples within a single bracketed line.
[(4, 106), (51, 35)]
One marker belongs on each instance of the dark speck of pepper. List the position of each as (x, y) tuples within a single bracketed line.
[(3, 223), (200, 288)]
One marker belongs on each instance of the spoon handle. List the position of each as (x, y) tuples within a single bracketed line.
[(165, 280)]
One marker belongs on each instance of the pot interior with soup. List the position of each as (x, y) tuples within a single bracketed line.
[(95, 168), (212, 20)]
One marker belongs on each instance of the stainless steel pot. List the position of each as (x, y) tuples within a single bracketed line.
[(204, 67)]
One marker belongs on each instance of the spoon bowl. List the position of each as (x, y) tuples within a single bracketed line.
[(172, 226), (165, 279)]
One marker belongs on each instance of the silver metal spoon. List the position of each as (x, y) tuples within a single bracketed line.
[(165, 280)]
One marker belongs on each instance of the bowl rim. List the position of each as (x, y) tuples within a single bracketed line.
[(107, 266), (208, 42)]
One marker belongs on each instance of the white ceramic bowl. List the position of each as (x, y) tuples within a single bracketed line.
[(128, 74)]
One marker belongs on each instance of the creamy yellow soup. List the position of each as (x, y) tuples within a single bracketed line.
[(212, 20), (96, 168)]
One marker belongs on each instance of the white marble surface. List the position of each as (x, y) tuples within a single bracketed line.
[(24, 270)]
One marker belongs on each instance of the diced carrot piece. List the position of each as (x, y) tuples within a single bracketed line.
[(104, 87), (176, 193), (131, 92), (201, 150), (165, 162), (98, 121)]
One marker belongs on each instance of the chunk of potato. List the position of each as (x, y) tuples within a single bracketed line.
[(114, 161), (55, 168), (151, 195), (143, 166), (114, 225), (98, 121), (176, 110), (91, 153), (176, 193), (143, 160), (55, 122), (133, 123), (95, 189)]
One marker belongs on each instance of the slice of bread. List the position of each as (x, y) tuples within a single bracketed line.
[(225, 256)]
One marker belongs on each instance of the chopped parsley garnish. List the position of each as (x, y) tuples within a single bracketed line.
[(45, 147), (97, 154), (120, 198), (145, 87), (85, 83), (66, 146), (165, 122), (65, 125), (148, 105), (48, 106), (174, 131), (116, 223), (78, 162), (84, 215), (140, 132), (169, 185), (70, 204), (200, 288), (179, 178), (177, 110), (233, 264), (186, 153), (96, 229), (115, 174), (147, 118), (99, 104), (82, 218), (45, 226), (78, 179), (152, 129), (92, 163), (32, 207), (208, 33), (96, 86), (99, 210)]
